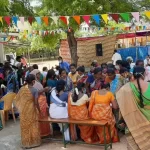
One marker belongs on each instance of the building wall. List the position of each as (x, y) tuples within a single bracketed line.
[(86, 50)]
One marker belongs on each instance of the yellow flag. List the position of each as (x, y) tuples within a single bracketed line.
[(105, 18), (147, 13), (1, 20)]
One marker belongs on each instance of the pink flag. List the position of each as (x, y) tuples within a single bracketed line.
[(21, 20), (136, 15), (86, 19)]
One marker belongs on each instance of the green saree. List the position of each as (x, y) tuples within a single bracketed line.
[(146, 100)]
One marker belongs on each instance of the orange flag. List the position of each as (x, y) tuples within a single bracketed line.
[(45, 19), (77, 19)]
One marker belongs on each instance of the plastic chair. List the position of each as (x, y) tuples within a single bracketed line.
[(8, 106)]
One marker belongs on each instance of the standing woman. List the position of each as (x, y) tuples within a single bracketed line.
[(44, 127), (73, 74), (100, 109), (27, 103), (68, 82)]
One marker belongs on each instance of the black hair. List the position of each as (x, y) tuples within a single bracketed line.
[(1, 65), (61, 70), (119, 62), (73, 65), (50, 74), (139, 61), (103, 64), (111, 71), (123, 70), (18, 58), (60, 57), (97, 70), (44, 68), (60, 86), (125, 64), (111, 66), (30, 78), (105, 85), (35, 66), (138, 72), (58, 68), (79, 87), (81, 68), (115, 51)]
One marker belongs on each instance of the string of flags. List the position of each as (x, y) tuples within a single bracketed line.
[(65, 19)]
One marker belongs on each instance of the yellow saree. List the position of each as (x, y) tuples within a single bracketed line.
[(30, 133), (137, 123)]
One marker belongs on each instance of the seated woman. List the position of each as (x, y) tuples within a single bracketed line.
[(100, 109), (77, 109), (45, 127), (59, 107), (27, 103), (134, 103), (68, 82)]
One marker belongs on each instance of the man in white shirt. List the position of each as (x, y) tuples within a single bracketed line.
[(116, 56), (146, 60), (45, 70)]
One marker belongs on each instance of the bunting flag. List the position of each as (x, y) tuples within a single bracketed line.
[(136, 15), (21, 20), (55, 19), (64, 19), (38, 19), (147, 13), (115, 17), (30, 19), (1, 20), (45, 19), (125, 16), (77, 19), (15, 19), (105, 18), (7, 19), (86, 19), (97, 19)]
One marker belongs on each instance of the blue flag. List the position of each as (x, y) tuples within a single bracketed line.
[(97, 19), (15, 19), (38, 19)]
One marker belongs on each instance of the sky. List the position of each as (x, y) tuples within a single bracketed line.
[(35, 3)]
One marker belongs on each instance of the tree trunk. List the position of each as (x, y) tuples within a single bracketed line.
[(72, 46)]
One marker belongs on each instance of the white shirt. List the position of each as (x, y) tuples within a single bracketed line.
[(116, 57), (44, 74), (145, 62)]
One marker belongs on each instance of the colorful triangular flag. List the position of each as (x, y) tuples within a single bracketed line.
[(38, 19), (30, 19), (64, 19), (125, 16), (115, 17), (45, 19), (136, 15), (15, 19), (86, 19), (105, 18), (97, 19), (1, 20), (77, 19), (55, 19), (147, 13), (7, 19), (21, 20)]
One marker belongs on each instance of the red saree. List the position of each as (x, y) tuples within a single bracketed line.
[(44, 127)]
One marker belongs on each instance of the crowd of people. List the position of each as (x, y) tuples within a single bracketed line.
[(68, 91)]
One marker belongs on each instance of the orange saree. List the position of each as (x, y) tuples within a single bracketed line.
[(100, 109), (30, 132), (44, 127), (80, 112)]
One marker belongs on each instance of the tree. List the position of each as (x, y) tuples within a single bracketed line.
[(81, 7)]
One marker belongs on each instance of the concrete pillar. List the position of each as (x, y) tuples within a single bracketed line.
[(2, 53)]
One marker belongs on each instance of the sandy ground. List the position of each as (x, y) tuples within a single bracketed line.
[(10, 140)]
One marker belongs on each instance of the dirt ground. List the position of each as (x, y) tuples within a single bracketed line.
[(10, 140)]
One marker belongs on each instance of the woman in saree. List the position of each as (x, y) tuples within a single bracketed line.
[(82, 77), (59, 107), (100, 109), (134, 103), (77, 109), (27, 104), (44, 127)]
